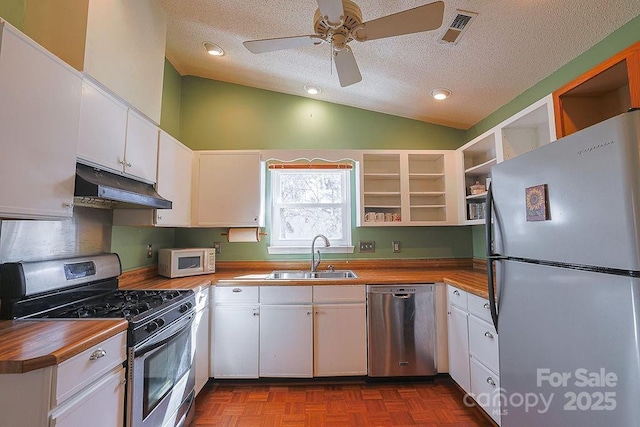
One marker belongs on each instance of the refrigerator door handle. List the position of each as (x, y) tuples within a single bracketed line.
[(490, 258)]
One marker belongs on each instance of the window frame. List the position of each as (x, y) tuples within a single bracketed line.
[(280, 246)]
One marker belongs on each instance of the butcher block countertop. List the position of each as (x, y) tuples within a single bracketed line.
[(26, 345)]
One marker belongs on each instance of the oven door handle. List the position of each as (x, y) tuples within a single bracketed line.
[(164, 336)]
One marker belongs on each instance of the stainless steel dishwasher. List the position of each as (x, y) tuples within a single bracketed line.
[(402, 330)]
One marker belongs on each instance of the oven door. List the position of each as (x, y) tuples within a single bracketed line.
[(161, 378)]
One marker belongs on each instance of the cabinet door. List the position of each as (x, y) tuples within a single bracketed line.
[(228, 192), (201, 334), (459, 347), (286, 341), (141, 148), (101, 405), (236, 337), (39, 117), (103, 127), (174, 181), (340, 344)]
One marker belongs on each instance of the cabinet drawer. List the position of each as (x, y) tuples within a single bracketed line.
[(237, 294), (457, 297), (483, 342), (479, 307), (76, 373), (339, 293), (485, 386), (286, 294)]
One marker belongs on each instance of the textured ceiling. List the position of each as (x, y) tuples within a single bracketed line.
[(508, 47)]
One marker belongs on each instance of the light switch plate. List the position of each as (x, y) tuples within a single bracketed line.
[(395, 246), (367, 246), (217, 247)]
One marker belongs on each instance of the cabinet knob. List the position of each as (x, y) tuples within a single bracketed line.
[(308, 313), (99, 353), (456, 293), (159, 217), (488, 335), (128, 164), (490, 381), (256, 314), (486, 305)]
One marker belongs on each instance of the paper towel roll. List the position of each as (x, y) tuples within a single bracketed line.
[(251, 235)]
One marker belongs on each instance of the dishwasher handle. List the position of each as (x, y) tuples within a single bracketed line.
[(403, 296)]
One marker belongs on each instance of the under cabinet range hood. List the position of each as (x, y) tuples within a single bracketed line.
[(98, 188)]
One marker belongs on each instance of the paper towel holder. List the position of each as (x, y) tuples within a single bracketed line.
[(255, 232)]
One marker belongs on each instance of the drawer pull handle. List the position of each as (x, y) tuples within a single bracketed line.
[(490, 381), (99, 353), (456, 293), (486, 305), (236, 290), (488, 335)]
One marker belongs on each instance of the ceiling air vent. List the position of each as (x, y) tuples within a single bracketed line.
[(459, 24)]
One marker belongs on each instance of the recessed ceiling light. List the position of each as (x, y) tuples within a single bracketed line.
[(312, 90), (440, 94), (213, 49)]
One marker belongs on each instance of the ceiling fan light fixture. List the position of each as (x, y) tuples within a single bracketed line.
[(440, 94), (312, 90), (213, 49)]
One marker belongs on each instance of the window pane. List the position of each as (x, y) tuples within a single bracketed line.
[(304, 223), (311, 188)]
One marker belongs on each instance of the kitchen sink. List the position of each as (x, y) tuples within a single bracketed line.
[(305, 275)]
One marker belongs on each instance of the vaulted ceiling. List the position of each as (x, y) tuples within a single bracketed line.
[(507, 48)]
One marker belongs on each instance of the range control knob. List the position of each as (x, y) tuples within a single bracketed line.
[(160, 322), (151, 326), (185, 307)]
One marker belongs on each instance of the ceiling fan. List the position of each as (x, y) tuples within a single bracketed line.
[(337, 22)]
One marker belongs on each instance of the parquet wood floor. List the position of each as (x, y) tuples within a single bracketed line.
[(355, 403)]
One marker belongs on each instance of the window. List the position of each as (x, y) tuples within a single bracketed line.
[(307, 202)]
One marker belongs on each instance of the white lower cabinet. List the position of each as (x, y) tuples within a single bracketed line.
[(87, 389), (106, 393), (459, 347), (473, 349), (236, 334), (340, 331), (294, 331), (286, 341), (201, 335)]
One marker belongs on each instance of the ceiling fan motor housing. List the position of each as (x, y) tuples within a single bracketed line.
[(341, 34)]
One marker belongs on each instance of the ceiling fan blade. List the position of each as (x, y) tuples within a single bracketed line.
[(271, 45), (416, 20), (347, 67), (332, 9)]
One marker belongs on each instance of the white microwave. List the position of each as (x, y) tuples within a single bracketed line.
[(186, 262)]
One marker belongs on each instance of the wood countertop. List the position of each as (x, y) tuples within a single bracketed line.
[(26, 345)]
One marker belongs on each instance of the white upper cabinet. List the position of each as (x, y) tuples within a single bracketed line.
[(39, 117), (400, 188), (527, 130), (228, 190), (175, 162), (115, 137), (120, 43)]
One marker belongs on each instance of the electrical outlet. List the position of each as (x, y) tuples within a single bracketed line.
[(367, 246), (149, 250), (217, 247), (395, 246)]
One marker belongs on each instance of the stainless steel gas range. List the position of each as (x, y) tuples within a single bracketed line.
[(160, 376)]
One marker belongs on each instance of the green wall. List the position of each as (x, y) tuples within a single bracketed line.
[(612, 44), (171, 100), (217, 115), (624, 37), (13, 12), (130, 243)]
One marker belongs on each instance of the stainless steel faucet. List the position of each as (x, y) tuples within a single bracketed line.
[(314, 263)]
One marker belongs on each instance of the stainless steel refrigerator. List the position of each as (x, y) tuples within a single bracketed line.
[(565, 221)]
